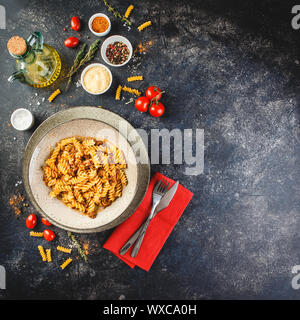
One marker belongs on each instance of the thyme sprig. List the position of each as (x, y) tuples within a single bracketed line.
[(116, 13), (78, 246), (76, 62), (80, 60)]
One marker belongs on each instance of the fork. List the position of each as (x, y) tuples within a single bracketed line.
[(159, 190)]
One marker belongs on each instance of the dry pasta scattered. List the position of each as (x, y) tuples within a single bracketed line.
[(42, 253), (118, 92), (63, 249), (144, 25), (135, 78), (48, 255), (36, 234), (133, 91), (86, 174), (128, 11), (54, 95), (68, 261)]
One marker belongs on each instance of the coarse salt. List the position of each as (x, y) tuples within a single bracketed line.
[(22, 119)]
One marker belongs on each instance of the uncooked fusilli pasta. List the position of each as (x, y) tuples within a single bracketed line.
[(135, 78), (133, 91), (68, 261), (86, 173), (63, 249), (118, 92), (144, 25), (48, 255), (42, 253), (36, 234), (54, 95), (128, 11)]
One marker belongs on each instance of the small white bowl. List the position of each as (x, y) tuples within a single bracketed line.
[(113, 39), (99, 34), (18, 115), (89, 67)]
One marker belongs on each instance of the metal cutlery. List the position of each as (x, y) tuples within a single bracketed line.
[(164, 202), (159, 190)]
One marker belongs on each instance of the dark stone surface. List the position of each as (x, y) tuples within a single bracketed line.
[(228, 67)]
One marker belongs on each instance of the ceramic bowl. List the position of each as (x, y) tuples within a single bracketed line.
[(93, 122), (113, 39), (89, 67), (99, 34), (27, 117)]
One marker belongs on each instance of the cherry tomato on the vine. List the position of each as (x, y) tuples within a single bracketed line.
[(31, 221), (153, 93), (157, 109), (46, 222), (75, 23), (142, 104), (71, 42), (49, 235)]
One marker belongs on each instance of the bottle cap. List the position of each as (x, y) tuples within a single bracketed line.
[(17, 46)]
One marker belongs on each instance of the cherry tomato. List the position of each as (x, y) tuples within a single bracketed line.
[(46, 222), (157, 109), (75, 23), (142, 104), (31, 221), (153, 92), (71, 42), (49, 235)]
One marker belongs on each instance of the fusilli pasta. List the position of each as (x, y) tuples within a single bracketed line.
[(48, 255), (68, 261), (135, 78), (128, 11), (42, 253), (144, 25), (54, 95), (36, 234), (86, 173), (63, 249), (118, 92), (133, 91)]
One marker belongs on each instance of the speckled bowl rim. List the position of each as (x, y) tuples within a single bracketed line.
[(91, 113)]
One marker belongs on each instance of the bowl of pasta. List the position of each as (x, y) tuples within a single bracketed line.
[(81, 172)]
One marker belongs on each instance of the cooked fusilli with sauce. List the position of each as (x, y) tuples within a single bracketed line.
[(86, 173)]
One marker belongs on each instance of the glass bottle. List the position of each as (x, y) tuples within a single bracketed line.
[(37, 64)]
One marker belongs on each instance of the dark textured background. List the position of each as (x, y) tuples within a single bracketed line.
[(228, 67)]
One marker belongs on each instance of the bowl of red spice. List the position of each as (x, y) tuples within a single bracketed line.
[(99, 24), (116, 51)]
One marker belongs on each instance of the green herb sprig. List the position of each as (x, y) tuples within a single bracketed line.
[(78, 246), (76, 62), (80, 60), (116, 13)]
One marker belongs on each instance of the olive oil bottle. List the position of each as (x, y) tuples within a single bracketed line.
[(37, 63)]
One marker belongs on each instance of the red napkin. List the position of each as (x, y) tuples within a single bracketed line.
[(158, 230)]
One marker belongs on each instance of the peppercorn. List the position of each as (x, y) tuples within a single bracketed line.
[(117, 52)]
